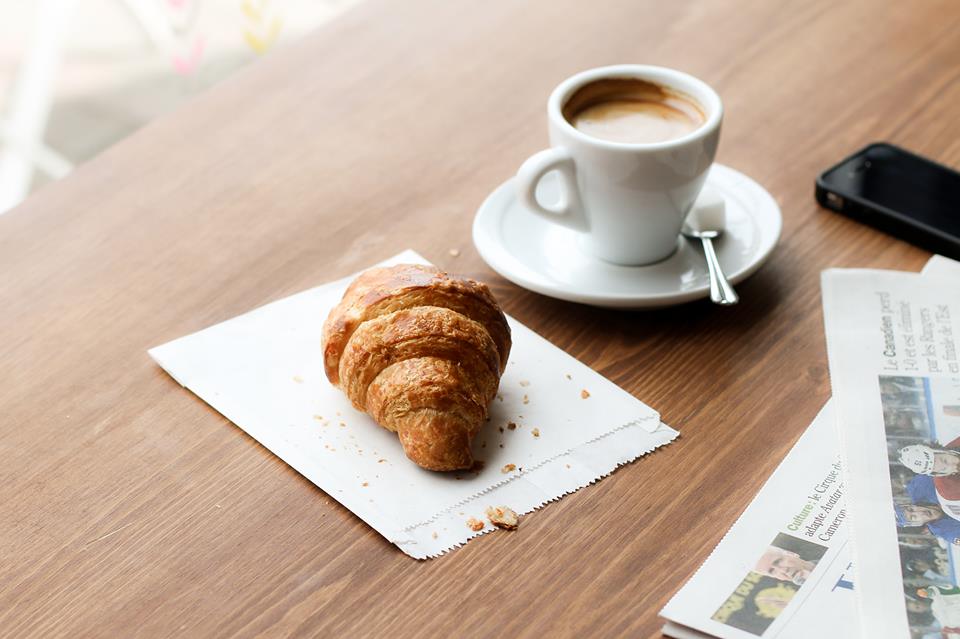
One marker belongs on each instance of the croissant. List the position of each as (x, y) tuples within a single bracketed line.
[(421, 351)]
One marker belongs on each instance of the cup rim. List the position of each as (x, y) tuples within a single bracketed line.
[(697, 89)]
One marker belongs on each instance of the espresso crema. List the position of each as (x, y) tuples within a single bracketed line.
[(632, 111)]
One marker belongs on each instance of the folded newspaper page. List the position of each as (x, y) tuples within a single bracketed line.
[(892, 345), (730, 596), (784, 568)]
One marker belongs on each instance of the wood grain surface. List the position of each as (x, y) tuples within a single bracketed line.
[(130, 508)]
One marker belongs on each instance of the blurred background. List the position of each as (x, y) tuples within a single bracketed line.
[(78, 75)]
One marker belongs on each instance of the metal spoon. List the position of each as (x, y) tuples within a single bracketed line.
[(705, 223)]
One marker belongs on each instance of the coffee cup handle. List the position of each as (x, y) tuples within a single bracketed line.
[(569, 211)]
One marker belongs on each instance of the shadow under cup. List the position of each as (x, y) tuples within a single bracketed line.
[(632, 146)]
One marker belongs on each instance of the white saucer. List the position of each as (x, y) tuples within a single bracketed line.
[(545, 258)]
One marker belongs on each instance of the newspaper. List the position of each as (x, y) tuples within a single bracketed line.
[(892, 344), (799, 521), (783, 569)]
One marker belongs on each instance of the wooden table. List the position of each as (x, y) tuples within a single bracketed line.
[(131, 508)]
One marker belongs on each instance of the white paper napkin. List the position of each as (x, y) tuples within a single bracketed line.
[(555, 426)]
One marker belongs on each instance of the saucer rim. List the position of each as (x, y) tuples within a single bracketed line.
[(494, 254)]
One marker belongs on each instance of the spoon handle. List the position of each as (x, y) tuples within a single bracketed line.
[(720, 290)]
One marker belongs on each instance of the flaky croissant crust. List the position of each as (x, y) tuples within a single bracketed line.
[(422, 352)]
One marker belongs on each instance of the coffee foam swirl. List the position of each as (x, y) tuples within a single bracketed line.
[(632, 111)]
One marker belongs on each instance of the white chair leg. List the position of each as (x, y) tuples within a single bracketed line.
[(30, 101), (42, 157)]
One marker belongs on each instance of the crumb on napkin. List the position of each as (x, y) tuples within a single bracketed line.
[(584, 394), (475, 524), (503, 517), (512, 425), (509, 468), (535, 432)]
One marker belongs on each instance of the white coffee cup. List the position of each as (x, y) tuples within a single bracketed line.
[(628, 200)]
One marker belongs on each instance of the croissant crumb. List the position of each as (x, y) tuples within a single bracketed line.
[(475, 524), (503, 517)]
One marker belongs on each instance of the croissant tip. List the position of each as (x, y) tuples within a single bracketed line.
[(443, 468), (445, 464)]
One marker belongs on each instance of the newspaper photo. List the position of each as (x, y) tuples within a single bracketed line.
[(730, 595), (895, 372)]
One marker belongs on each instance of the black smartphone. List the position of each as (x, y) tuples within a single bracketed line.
[(898, 192)]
